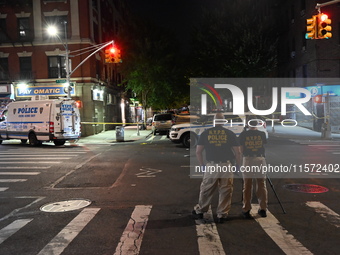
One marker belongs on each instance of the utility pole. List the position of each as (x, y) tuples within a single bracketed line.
[(318, 6)]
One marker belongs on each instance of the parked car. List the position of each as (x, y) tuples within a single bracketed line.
[(188, 133), (162, 123)]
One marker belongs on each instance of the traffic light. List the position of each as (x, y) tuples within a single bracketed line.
[(110, 55), (79, 104), (324, 26), (117, 58), (311, 28), (318, 99)]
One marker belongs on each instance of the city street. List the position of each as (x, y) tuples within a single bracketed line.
[(136, 197)]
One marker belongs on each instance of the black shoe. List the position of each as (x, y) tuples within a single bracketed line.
[(198, 215), (262, 213), (246, 215)]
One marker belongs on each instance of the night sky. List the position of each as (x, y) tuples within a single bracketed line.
[(177, 15)]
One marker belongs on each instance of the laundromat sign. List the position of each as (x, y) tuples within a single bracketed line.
[(54, 90)]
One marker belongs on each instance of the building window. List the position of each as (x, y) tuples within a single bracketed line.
[(56, 67), (4, 69), (3, 31), (25, 68), (24, 30), (60, 22)]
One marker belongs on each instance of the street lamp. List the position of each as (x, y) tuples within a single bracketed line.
[(53, 31)]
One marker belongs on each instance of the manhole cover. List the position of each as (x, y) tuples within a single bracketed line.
[(65, 206), (306, 188)]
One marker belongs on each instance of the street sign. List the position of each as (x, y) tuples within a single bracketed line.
[(61, 81)]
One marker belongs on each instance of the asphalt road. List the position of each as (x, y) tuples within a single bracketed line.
[(137, 197)]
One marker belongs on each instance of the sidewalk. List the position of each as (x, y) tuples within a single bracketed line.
[(107, 137), (298, 133)]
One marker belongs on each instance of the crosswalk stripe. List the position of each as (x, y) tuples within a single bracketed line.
[(12, 228), (208, 239), (3, 189), (151, 138), (287, 242), (24, 167), (13, 180), (32, 158), (19, 173), (325, 212), (66, 235), (31, 162), (45, 153), (163, 137), (131, 239)]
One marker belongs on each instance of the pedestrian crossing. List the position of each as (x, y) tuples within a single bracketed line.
[(18, 165), (332, 147), (208, 239), (154, 138)]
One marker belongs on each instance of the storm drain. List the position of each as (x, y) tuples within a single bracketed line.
[(306, 188), (65, 206)]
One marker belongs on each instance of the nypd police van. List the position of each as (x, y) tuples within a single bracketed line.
[(56, 120)]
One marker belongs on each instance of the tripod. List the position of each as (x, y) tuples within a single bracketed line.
[(271, 185)]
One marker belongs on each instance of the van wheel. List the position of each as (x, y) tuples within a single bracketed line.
[(0, 141), (33, 141), (59, 143), (189, 140), (23, 141)]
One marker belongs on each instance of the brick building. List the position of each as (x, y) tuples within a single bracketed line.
[(32, 63)]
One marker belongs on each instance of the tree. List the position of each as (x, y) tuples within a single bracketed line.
[(151, 66)]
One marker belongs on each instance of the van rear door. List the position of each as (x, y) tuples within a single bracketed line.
[(68, 121)]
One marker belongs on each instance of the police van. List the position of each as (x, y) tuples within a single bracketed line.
[(56, 120)]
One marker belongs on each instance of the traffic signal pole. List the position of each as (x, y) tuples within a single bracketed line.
[(318, 6), (82, 62)]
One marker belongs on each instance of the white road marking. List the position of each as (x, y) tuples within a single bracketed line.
[(3, 189), (19, 173), (208, 239), (131, 239), (31, 162), (12, 228), (25, 167), (148, 172), (151, 138), (66, 235), (287, 242), (324, 145), (13, 180), (325, 212), (32, 158), (163, 137)]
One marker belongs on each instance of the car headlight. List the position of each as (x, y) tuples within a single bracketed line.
[(175, 129)]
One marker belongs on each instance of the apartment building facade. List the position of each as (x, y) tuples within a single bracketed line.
[(32, 62)]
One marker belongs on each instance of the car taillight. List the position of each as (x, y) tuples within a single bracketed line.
[(51, 127)]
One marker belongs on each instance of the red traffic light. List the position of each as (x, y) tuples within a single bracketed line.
[(318, 99), (112, 50), (323, 17)]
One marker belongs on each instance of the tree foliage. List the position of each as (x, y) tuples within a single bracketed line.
[(151, 65)]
